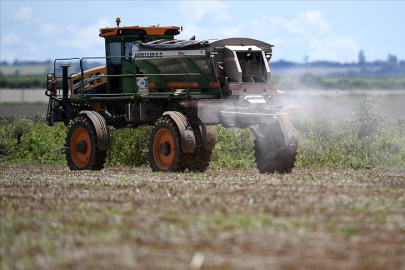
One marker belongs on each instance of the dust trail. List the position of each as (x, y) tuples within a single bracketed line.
[(341, 102)]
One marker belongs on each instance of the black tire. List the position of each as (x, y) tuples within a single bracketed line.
[(81, 140), (271, 153), (165, 152), (199, 161)]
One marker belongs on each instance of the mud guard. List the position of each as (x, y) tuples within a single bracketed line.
[(208, 137), (289, 132), (102, 130), (186, 131)]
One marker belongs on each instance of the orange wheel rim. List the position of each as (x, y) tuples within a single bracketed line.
[(163, 149), (80, 147)]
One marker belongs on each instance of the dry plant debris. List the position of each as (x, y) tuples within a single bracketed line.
[(131, 218)]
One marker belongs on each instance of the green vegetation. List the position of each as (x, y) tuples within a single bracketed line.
[(31, 141), (26, 70), (32, 81), (234, 148), (343, 82), (365, 139), (128, 145)]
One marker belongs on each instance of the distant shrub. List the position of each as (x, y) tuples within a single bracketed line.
[(369, 117), (234, 148), (30, 141), (367, 139), (128, 145)]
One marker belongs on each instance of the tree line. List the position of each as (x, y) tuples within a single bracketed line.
[(306, 81), (23, 82), (390, 67)]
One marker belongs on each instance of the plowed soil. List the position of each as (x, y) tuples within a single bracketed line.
[(131, 218)]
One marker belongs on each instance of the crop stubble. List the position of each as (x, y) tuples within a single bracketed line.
[(131, 218)]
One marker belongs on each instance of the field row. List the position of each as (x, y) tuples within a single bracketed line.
[(131, 218)]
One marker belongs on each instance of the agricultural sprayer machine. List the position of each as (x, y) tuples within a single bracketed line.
[(180, 87)]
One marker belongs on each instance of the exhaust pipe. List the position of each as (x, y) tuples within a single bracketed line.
[(65, 85), (65, 88)]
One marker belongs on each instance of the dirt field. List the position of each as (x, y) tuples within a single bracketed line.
[(131, 218)]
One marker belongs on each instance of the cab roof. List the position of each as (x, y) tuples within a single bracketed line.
[(151, 30)]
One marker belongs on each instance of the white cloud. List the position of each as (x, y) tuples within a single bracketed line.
[(308, 23), (310, 32), (85, 39), (33, 51), (201, 16), (24, 14), (203, 33), (10, 39), (48, 29), (277, 41), (21, 50), (195, 11), (334, 47)]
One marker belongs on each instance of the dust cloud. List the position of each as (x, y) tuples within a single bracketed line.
[(341, 102)]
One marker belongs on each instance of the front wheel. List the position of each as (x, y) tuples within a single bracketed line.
[(83, 153), (165, 152), (271, 153)]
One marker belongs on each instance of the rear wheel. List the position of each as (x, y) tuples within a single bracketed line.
[(200, 159), (165, 152), (271, 153), (81, 140)]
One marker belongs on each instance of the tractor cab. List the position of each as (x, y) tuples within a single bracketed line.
[(118, 45)]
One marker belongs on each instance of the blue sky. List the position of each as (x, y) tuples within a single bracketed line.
[(320, 30)]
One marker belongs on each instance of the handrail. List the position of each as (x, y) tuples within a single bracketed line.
[(83, 77)]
